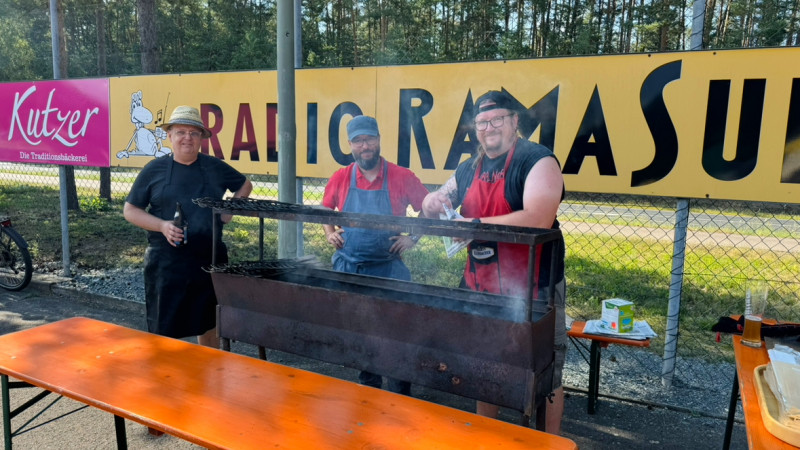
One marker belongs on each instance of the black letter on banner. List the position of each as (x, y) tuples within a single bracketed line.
[(272, 132), (244, 124), (651, 97), (333, 131), (791, 150), (311, 133), (592, 125), (460, 145), (411, 119), (542, 113), (749, 129)]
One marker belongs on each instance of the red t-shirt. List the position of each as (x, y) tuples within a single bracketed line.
[(404, 188)]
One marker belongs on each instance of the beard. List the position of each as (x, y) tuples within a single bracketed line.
[(369, 164)]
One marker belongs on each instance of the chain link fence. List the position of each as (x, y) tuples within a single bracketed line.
[(617, 246)]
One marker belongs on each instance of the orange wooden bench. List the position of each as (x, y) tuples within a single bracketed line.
[(218, 399), (598, 342)]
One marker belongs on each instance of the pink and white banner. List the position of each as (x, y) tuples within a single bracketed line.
[(64, 122)]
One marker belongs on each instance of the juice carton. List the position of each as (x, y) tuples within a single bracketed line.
[(618, 315)]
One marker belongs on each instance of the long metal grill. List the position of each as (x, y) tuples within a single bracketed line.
[(412, 225), (250, 205), (266, 269)]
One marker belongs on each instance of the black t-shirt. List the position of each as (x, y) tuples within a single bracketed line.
[(526, 155), (206, 177)]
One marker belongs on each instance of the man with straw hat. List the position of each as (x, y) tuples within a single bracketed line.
[(179, 295)]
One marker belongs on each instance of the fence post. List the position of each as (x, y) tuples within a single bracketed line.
[(675, 291), (299, 196)]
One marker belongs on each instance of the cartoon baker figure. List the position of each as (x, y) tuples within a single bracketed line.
[(144, 142)]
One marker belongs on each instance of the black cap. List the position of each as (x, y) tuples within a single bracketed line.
[(494, 100)]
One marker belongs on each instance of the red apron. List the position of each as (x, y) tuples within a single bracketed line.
[(496, 267)]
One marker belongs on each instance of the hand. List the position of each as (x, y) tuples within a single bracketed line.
[(401, 244), (432, 205), (335, 238), (171, 232)]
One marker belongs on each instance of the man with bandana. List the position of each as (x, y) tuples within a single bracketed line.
[(509, 181)]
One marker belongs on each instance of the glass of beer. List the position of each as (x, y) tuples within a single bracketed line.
[(755, 304)]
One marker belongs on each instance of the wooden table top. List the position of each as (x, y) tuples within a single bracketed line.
[(219, 399), (747, 359), (576, 330)]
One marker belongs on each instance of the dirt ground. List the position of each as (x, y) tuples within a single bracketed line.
[(615, 425)]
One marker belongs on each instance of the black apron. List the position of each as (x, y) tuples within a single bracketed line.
[(179, 294)]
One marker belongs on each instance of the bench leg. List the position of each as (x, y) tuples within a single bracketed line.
[(726, 444), (6, 413), (122, 438), (594, 375)]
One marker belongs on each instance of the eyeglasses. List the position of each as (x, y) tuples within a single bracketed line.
[(192, 134), (496, 122), (361, 141)]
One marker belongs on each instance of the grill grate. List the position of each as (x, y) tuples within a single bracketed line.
[(250, 205), (266, 269)]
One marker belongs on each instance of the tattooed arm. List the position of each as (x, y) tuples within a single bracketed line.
[(447, 194)]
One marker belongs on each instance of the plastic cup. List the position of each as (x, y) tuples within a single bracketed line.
[(755, 304)]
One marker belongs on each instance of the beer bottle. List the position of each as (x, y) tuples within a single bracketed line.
[(180, 221)]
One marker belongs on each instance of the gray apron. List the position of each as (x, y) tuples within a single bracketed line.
[(366, 251)]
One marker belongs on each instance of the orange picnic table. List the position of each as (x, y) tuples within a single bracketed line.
[(598, 341), (219, 399), (747, 359)]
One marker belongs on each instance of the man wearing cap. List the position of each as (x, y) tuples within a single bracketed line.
[(372, 185), (509, 181), (179, 295)]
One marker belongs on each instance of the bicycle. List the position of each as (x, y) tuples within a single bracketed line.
[(16, 267)]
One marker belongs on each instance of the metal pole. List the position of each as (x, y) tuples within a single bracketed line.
[(298, 64), (62, 171), (287, 129), (698, 24), (675, 291), (679, 241), (300, 225)]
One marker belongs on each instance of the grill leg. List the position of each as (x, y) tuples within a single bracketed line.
[(594, 375)]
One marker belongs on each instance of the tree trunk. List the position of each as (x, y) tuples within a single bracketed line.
[(148, 35), (664, 27), (63, 65), (105, 172), (711, 5)]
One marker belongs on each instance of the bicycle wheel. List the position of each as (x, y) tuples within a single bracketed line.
[(16, 267)]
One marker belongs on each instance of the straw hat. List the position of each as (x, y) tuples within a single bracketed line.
[(186, 115)]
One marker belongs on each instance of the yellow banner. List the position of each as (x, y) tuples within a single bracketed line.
[(716, 124)]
